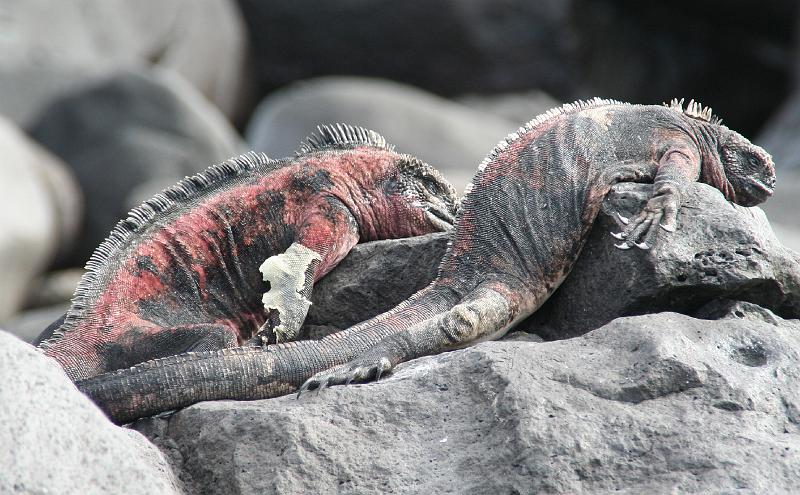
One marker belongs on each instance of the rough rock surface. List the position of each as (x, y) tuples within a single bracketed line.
[(719, 250), (37, 216), (650, 404), (54, 440), (94, 37), (133, 128), (375, 277), (453, 138)]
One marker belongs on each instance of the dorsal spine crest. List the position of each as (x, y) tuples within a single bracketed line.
[(141, 217), (694, 109), (342, 136)]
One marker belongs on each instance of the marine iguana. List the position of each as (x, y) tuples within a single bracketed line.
[(181, 273), (518, 232)]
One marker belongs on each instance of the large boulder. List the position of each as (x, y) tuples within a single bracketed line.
[(719, 250), (568, 48), (782, 208), (50, 47), (626, 50), (129, 136), (650, 404), (54, 440), (448, 46), (373, 278), (516, 107), (40, 206), (453, 138), (780, 135)]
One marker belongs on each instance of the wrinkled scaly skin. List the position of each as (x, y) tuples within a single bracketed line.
[(188, 278), (518, 233)]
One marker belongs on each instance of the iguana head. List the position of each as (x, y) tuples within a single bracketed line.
[(419, 194), (743, 171), (748, 169)]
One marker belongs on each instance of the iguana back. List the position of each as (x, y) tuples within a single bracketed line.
[(182, 271)]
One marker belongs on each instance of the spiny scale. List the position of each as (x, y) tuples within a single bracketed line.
[(532, 124), (342, 136), (142, 216), (694, 109)]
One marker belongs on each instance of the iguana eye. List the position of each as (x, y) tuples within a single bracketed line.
[(432, 186)]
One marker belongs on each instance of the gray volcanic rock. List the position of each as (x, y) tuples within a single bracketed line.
[(51, 47), (569, 48), (39, 207), (720, 250), (780, 135), (29, 324), (516, 107), (453, 138), (135, 128), (627, 52), (54, 440), (650, 404), (781, 209), (373, 278), (447, 46)]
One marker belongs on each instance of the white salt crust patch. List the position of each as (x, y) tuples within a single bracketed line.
[(286, 274)]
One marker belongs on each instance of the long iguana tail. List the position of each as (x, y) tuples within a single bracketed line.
[(248, 373)]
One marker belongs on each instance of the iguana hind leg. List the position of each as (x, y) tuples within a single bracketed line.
[(139, 342), (484, 314)]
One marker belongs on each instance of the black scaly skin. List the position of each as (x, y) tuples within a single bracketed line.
[(519, 231), (185, 271)]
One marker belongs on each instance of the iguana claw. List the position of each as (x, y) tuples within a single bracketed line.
[(617, 235), (358, 370), (624, 220), (624, 245)]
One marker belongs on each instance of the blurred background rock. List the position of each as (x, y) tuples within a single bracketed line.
[(105, 102)]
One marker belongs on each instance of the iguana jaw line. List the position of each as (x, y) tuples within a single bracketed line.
[(441, 219)]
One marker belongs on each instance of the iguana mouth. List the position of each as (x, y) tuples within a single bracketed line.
[(440, 217), (759, 191)]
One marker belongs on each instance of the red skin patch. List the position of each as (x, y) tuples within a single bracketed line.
[(327, 201)]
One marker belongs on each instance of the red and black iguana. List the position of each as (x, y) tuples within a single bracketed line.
[(518, 233), (181, 273)]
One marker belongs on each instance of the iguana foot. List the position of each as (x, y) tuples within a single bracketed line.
[(660, 211), (290, 275), (359, 370)]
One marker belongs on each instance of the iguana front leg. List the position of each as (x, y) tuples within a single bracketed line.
[(323, 240), (487, 313), (679, 165)]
